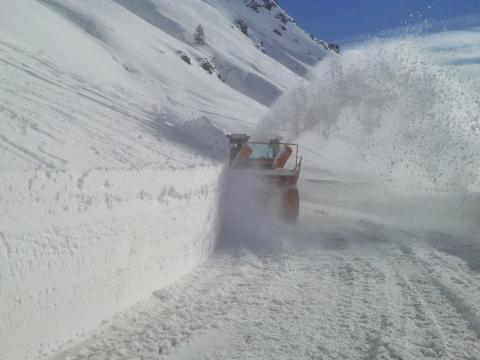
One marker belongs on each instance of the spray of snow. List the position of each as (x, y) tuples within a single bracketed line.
[(415, 124), (249, 213)]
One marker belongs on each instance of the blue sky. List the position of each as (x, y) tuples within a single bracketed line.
[(346, 20)]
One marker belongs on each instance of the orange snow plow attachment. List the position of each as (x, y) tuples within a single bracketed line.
[(273, 162)]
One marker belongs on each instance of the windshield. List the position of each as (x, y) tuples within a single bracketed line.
[(265, 151)]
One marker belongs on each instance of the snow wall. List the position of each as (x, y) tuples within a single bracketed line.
[(104, 239)]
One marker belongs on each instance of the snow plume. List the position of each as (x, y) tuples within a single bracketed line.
[(249, 213), (414, 123)]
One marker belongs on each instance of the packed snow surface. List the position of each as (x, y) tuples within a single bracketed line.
[(112, 152), (334, 287)]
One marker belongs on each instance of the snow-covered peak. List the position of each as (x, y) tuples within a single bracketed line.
[(275, 33)]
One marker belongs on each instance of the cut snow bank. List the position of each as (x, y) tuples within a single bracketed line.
[(75, 248)]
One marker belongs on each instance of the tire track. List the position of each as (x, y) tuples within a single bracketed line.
[(460, 340)]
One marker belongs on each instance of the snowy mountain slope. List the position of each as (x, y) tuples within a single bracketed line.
[(112, 47), (111, 148)]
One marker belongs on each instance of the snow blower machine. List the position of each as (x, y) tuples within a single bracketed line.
[(274, 166)]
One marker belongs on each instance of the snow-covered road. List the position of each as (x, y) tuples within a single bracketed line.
[(334, 286)]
